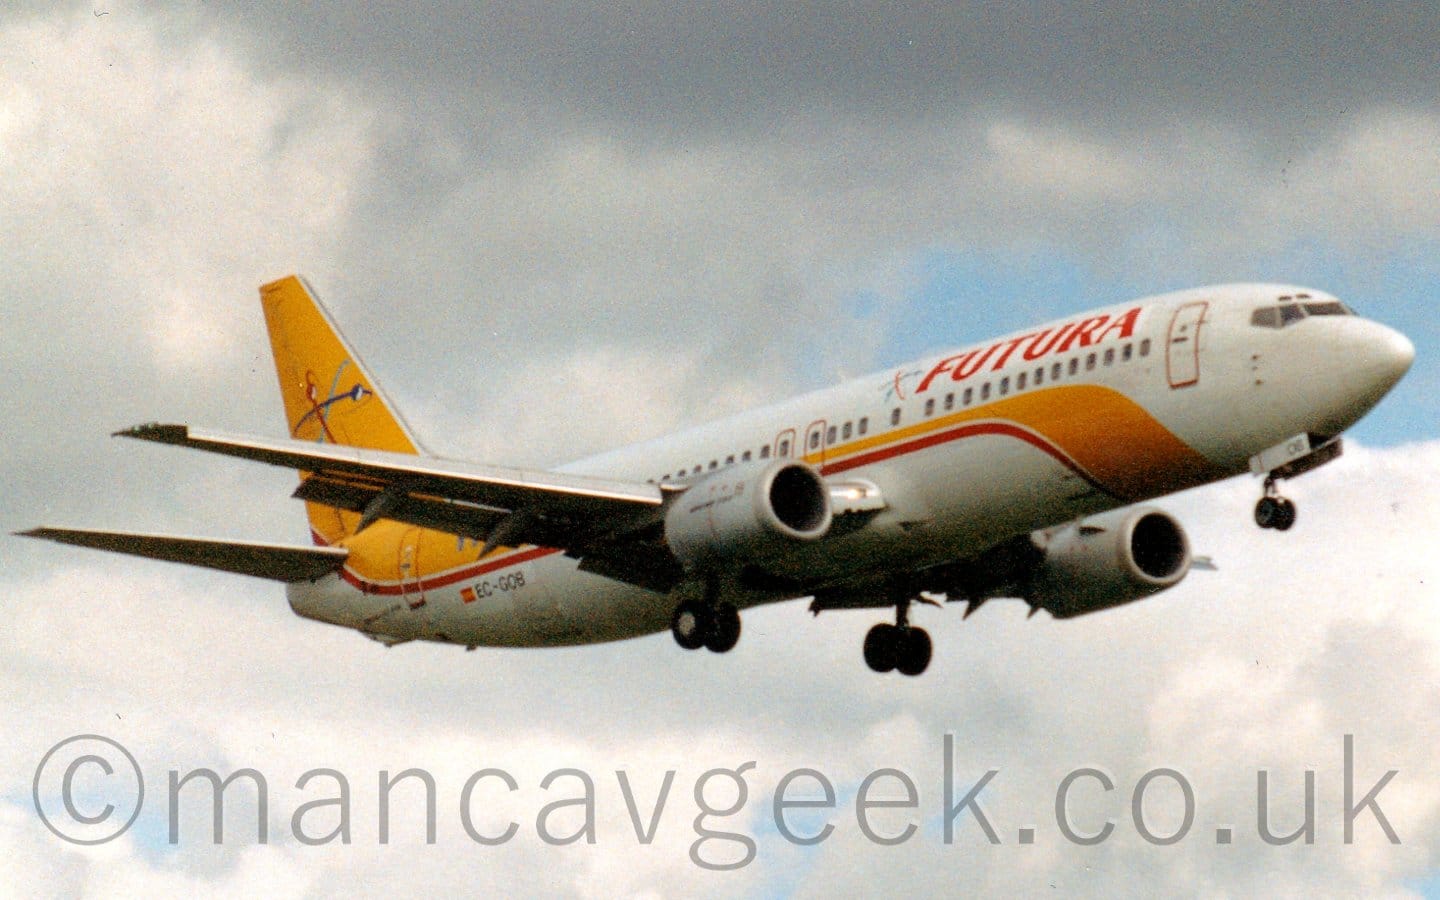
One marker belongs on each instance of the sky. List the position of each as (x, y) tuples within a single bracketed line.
[(551, 229)]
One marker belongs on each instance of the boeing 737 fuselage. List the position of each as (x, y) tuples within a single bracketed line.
[(1010, 468)]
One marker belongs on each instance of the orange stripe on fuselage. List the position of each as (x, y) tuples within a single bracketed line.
[(1097, 432), (1108, 438)]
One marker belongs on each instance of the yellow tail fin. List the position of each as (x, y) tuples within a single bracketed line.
[(329, 396)]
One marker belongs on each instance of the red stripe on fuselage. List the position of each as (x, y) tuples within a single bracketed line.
[(392, 589), (976, 429)]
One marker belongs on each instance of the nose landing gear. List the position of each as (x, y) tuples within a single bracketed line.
[(902, 647), (1273, 510)]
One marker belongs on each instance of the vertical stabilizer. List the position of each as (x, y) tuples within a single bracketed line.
[(330, 397)]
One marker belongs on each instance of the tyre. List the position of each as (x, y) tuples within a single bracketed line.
[(881, 647), (914, 652), (689, 625), (724, 629), (1267, 512), (1285, 516)]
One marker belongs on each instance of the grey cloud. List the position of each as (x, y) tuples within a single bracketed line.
[(668, 69)]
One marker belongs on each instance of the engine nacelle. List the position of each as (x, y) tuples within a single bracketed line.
[(746, 513), (1108, 560)]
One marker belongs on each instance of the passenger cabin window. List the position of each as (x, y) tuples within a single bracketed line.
[(714, 464), (1090, 362), (1109, 355), (784, 448), (830, 436), (985, 391), (864, 424), (1040, 376), (949, 402), (1074, 365), (730, 460), (895, 416), (845, 432), (1005, 385), (1055, 372), (1020, 381), (969, 395), (765, 452), (930, 407), (1126, 352), (1145, 347), (814, 439), (745, 457)]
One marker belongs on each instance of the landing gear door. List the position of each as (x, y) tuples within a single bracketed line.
[(1182, 345)]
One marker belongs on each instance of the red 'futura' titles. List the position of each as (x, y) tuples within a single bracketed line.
[(1083, 333)]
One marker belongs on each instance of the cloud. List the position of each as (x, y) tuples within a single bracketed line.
[(1297, 641), (166, 171), (1059, 163), (681, 74), (148, 188), (1364, 178)]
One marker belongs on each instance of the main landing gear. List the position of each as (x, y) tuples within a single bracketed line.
[(902, 646), (714, 626), (1273, 510)]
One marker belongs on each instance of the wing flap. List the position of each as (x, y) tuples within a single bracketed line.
[(277, 562), (464, 519), (557, 509)]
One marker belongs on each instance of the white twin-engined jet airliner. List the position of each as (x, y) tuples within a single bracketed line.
[(1010, 468)]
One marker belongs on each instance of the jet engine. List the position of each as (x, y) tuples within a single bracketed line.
[(1107, 560), (748, 513)]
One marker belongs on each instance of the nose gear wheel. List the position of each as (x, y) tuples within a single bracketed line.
[(1273, 510)]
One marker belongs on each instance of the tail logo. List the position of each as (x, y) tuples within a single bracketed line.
[(320, 409)]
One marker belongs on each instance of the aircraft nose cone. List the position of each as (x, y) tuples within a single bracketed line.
[(1387, 355), (1402, 352), (1379, 357), (1373, 358)]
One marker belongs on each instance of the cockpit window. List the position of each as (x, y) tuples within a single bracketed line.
[(1289, 312), (1266, 317)]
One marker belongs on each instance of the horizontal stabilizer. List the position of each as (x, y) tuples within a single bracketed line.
[(277, 562)]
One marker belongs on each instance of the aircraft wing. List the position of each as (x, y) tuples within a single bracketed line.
[(274, 561), (493, 504)]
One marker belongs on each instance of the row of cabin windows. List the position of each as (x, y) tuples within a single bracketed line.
[(836, 433), (1056, 371), (782, 448)]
